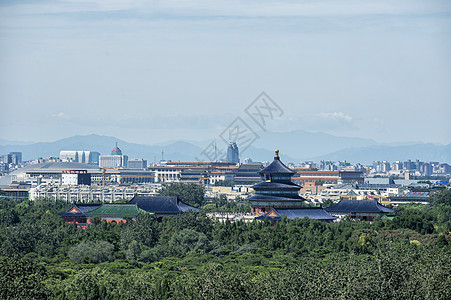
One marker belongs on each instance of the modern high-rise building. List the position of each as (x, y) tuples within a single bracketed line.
[(426, 169), (84, 157), (18, 157), (115, 160), (69, 156), (6, 158), (233, 154), (94, 157)]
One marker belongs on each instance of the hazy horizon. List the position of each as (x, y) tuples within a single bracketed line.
[(154, 71), (203, 140)]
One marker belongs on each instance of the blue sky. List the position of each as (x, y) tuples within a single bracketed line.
[(150, 71)]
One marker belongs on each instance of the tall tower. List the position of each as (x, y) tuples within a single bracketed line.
[(233, 154)]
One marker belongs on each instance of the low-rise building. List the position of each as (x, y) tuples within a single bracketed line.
[(86, 194)]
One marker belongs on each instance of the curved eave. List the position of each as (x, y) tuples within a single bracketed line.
[(72, 215), (111, 216), (276, 185), (264, 198), (356, 212)]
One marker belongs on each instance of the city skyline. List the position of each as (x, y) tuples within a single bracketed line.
[(155, 72)]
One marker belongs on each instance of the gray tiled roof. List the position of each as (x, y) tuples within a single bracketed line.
[(83, 208), (162, 204), (367, 206), (311, 213)]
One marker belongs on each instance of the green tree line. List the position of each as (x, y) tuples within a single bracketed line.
[(194, 257)]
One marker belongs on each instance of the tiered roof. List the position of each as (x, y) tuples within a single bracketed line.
[(277, 167), (277, 189)]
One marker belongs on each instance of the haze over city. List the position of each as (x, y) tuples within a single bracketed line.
[(154, 71)]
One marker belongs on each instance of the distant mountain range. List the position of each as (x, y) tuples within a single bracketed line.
[(295, 146), (8, 142), (104, 145), (366, 155)]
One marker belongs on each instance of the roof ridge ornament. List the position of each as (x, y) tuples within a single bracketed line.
[(277, 153)]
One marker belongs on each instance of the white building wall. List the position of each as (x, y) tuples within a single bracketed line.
[(113, 161), (69, 179), (69, 156)]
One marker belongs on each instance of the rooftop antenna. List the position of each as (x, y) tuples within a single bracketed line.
[(162, 155)]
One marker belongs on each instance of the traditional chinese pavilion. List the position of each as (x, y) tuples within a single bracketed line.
[(77, 213), (277, 195), (115, 213), (276, 190), (159, 206), (82, 214)]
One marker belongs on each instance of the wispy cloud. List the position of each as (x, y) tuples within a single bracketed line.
[(330, 122), (60, 116), (335, 116)]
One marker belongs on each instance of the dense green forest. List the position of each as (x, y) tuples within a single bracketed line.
[(193, 257)]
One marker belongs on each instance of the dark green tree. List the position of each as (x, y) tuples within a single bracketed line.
[(190, 193), (92, 252), (22, 278), (442, 198)]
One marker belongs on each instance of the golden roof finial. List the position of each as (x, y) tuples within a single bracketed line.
[(277, 153)]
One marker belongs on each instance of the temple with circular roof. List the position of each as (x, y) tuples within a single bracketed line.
[(276, 190), (278, 196)]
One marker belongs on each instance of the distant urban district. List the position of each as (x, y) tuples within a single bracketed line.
[(81, 224), (80, 175)]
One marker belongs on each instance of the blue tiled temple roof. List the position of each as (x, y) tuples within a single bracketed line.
[(276, 185), (261, 197), (367, 206), (162, 204), (277, 167)]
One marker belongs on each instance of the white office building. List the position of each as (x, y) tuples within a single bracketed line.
[(83, 157), (113, 161)]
